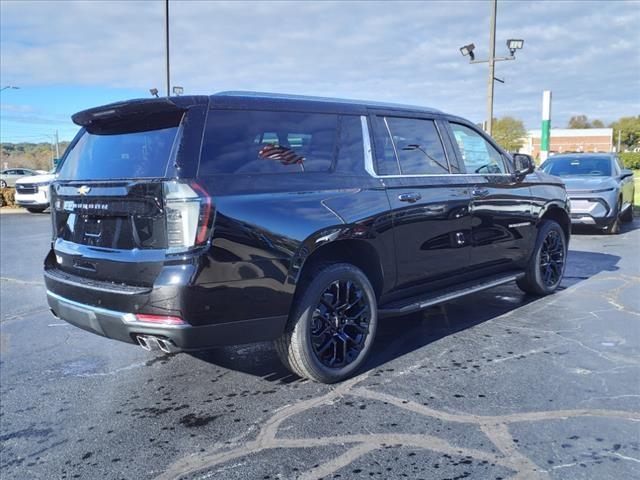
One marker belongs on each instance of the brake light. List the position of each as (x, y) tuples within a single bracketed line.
[(205, 215), (160, 319), (188, 212)]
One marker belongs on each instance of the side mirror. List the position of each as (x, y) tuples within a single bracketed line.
[(524, 164), (625, 172)]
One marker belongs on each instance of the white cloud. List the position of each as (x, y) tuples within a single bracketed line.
[(586, 52)]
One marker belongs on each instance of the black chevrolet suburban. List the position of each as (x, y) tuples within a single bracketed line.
[(191, 222)]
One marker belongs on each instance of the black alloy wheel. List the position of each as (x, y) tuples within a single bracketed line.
[(332, 323), (545, 269), (340, 324), (552, 258)]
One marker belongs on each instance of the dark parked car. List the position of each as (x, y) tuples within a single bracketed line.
[(600, 188), (193, 222)]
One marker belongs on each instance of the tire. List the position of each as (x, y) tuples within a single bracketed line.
[(627, 216), (614, 227), (3, 184), (36, 209), (320, 307), (551, 244)]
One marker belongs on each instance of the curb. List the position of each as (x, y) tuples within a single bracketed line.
[(10, 210)]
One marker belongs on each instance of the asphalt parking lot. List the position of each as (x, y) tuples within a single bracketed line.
[(496, 385)]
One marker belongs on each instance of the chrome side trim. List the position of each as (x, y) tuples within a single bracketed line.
[(420, 305), (462, 293)]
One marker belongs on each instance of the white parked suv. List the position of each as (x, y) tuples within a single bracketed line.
[(32, 192)]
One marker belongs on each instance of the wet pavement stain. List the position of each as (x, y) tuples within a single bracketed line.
[(191, 420)]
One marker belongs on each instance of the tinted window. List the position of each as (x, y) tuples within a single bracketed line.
[(587, 165), (124, 155), (386, 160), (245, 141), (478, 155), (350, 146), (418, 146)]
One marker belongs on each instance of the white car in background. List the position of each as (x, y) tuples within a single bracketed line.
[(32, 192)]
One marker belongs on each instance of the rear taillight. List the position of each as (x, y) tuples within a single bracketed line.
[(160, 319), (188, 212)]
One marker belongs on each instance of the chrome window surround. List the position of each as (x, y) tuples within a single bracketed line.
[(369, 165)]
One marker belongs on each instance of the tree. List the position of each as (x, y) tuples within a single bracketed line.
[(509, 132), (629, 128), (579, 121)]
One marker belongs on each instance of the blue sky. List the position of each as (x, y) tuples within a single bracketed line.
[(66, 56)]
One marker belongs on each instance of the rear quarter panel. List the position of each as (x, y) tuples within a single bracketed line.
[(266, 226)]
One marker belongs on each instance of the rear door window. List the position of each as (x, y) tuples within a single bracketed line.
[(252, 141), (418, 146)]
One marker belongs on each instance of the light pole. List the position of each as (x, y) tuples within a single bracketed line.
[(166, 38), (512, 45)]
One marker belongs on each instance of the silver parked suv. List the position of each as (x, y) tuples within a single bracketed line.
[(600, 188)]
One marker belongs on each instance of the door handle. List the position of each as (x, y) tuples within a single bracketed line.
[(480, 192), (409, 197)]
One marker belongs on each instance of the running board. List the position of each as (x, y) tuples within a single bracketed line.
[(413, 304)]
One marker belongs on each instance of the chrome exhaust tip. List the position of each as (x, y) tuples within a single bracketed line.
[(143, 341), (149, 342), (164, 345)]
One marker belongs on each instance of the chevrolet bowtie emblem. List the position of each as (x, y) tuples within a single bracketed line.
[(83, 190)]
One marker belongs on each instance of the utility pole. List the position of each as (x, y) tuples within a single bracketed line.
[(166, 36), (513, 44), (492, 62), (57, 146)]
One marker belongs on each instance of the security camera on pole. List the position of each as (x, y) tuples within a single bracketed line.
[(545, 137), (512, 44)]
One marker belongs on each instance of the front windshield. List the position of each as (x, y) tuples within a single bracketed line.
[(569, 166)]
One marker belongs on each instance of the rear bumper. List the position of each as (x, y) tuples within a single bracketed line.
[(123, 326)]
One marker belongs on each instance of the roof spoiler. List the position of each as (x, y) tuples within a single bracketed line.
[(115, 111)]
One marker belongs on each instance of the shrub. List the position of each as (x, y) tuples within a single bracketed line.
[(630, 160), (8, 196)]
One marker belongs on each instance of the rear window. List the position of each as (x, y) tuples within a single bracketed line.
[(247, 141), (587, 165), (124, 155)]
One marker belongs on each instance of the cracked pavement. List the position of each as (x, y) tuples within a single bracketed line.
[(495, 385)]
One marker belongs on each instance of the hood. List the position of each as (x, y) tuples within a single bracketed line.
[(587, 183), (46, 178)]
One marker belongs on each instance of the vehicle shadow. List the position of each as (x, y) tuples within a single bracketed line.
[(399, 336)]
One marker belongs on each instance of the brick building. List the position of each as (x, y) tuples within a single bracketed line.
[(571, 140)]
